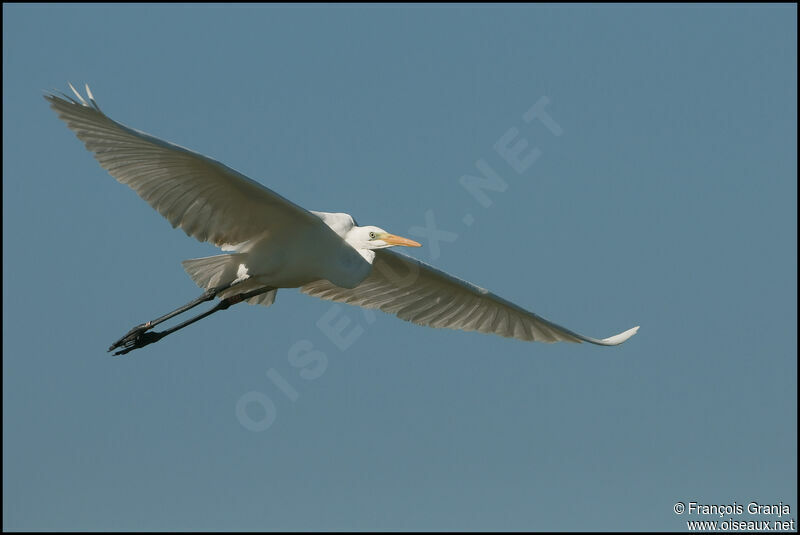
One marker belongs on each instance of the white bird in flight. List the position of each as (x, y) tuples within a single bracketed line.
[(274, 243)]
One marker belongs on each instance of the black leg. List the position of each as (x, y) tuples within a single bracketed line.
[(137, 331), (136, 339)]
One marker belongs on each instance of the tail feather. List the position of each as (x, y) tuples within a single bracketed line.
[(265, 299), (217, 270), (213, 270)]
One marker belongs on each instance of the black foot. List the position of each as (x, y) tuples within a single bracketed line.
[(130, 336), (140, 339)]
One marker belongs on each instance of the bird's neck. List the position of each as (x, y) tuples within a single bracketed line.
[(367, 254)]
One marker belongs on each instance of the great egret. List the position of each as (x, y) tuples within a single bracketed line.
[(274, 243)]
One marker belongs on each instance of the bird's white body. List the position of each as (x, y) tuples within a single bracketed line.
[(273, 243), (284, 260)]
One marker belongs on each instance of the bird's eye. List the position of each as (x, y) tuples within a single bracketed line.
[(371, 235)]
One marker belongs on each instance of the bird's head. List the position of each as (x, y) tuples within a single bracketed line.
[(376, 238)]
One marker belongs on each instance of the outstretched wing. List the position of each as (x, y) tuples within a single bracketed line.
[(208, 200), (422, 294)]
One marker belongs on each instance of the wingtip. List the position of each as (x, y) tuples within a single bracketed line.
[(77, 94), (53, 95), (621, 337)]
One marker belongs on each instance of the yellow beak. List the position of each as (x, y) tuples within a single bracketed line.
[(391, 239)]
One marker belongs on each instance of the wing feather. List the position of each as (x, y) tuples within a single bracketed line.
[(422, 294), (205, 198)]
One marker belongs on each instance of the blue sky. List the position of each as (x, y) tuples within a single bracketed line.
[(668, 200)]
